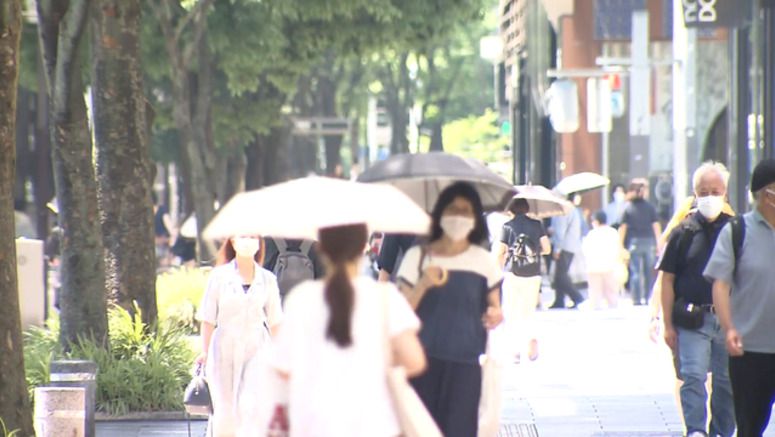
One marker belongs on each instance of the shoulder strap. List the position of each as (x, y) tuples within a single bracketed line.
[(423, 251), (688, 229), (738, 237), (305, 247), (385, 327), (282, 246)]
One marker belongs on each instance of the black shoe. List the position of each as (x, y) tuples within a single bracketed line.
[(557, 307)]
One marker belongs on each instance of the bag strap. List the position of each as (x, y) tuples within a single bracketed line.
[(423, 252), (738, 237), (305, 247), (282, 246), (386, 329)]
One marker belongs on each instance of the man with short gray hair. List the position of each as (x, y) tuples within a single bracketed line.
[(691, 328), (742, 263)]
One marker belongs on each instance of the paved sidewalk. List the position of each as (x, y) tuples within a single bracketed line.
[(597, 375)]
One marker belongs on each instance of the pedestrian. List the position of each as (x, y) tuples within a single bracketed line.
[(453, 283), (566, 244), (615, 208), (691, 328), (522, 244), (603, 253), (639, 233), (163, 228), (742, 263), (293, 261), (239, 312), (331, 346)]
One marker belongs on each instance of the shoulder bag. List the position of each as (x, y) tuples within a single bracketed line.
[(413, 418)]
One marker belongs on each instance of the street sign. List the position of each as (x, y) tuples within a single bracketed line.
[(715, 13), (320, 126), (599, 105), (563, 105)]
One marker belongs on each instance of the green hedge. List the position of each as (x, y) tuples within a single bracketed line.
[(142, 371), (178, 294)]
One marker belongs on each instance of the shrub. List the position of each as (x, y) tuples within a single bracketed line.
[(178, 294), (41, 346), (7, 432), (141, 371)]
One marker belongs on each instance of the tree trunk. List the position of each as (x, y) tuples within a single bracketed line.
[(42, 182), (333, 143), (14, 403), (191, 102), (437, 140), (233, 176), (23, 152), (83, 311), (123, 156)]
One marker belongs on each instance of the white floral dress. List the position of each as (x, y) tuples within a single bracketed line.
[(242, 319)]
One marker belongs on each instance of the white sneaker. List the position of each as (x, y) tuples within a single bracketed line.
[(697, 434)]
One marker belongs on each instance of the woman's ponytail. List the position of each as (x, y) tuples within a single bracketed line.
[(341, 245)]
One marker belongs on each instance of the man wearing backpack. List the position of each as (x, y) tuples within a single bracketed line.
[(292, 262), (691, 328), (523, 242), (742, 263)]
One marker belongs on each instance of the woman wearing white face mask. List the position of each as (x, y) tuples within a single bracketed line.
[(239, 311), (453, 284)]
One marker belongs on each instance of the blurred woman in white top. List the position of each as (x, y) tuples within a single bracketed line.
[(332, 347), (603, 253), (239, 310)]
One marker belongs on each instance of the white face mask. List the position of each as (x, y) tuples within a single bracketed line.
[(245, 247), (457, 227), (710, 206), (619, 197)]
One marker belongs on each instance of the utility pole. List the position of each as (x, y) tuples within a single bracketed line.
[(684, 101)]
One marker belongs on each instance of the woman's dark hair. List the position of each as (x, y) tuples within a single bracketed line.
[(341, 244), (465, 190), (519, 206), (227, 253)]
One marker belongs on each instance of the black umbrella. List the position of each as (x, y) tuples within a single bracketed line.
[(423, 176)]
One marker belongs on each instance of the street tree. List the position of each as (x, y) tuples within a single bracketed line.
[(124, 167), (14, 402), (61, 27)]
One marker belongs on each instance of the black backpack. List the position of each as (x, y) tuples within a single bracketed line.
[(524, 254), (293, 265)]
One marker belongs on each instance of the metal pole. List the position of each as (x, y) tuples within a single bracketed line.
[(605, 146), (683, 90)]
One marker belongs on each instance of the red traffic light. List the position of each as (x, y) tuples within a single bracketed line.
[(615, 81)]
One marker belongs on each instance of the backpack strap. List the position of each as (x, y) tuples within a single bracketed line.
[(689, 228), (738, 237), (282, 246), (305, 247)]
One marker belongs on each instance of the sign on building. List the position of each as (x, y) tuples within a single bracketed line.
[(715, 13)]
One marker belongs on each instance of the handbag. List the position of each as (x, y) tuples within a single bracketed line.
[(196, 398), (490, 401), (688, 315), (413, 418)]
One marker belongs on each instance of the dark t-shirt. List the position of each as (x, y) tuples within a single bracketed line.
[(160, 229), (639, 216), (394, 246), (534, 230), (689, 265)]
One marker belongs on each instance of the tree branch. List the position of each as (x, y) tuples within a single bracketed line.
[(194, 13), (200, 24), (70, 33)]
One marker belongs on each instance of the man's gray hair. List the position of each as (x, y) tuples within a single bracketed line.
[(707, 167)]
